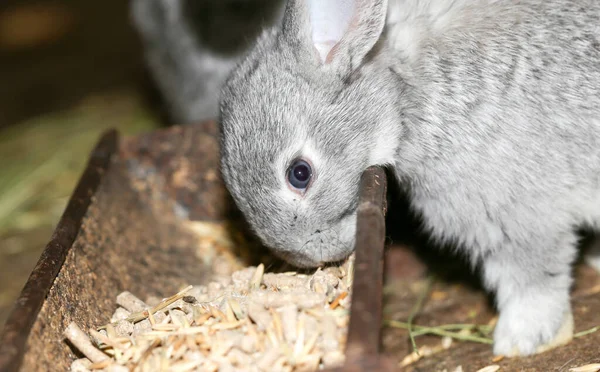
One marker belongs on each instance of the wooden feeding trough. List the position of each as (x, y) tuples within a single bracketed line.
[(122, 230)]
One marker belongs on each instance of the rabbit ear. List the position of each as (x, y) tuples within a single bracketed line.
[(339, 32), (329, 21)]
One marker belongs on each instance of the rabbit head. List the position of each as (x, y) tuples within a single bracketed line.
[(302, 116)]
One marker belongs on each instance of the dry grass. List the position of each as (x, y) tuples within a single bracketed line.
[(43, 158)]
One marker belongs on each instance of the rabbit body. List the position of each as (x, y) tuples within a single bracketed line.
[(501, 155), (487, 111)]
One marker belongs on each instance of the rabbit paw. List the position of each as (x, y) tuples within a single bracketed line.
[(525, 331)]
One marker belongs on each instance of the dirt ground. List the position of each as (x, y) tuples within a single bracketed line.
[(455, 297)]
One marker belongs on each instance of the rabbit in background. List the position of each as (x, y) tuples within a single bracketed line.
[(191, 46), (487, 112)]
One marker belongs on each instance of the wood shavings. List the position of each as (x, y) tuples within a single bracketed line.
[(492, 368), (83, 343), (446, 342), (130, 303), (497, 358), (254, 321), (595, 367), (337, 300), (81, 365), (426, 351), (216, 246)]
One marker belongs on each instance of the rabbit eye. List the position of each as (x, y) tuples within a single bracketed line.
[(299, 174)]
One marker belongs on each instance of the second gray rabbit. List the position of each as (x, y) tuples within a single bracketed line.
[(190, 46), (488, 112)]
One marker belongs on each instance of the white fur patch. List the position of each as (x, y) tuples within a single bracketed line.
[(385, 151)]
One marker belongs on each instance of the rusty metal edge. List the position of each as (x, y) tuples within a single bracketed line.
[(14, 336), (364, 330)]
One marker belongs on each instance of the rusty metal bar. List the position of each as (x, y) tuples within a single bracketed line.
[(364, 332), (18, 325)]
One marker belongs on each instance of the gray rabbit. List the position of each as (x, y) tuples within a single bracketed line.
[(191, 46), (488, 112)]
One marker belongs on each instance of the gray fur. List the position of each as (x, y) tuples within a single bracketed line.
[(191, 46), (487, 111)]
